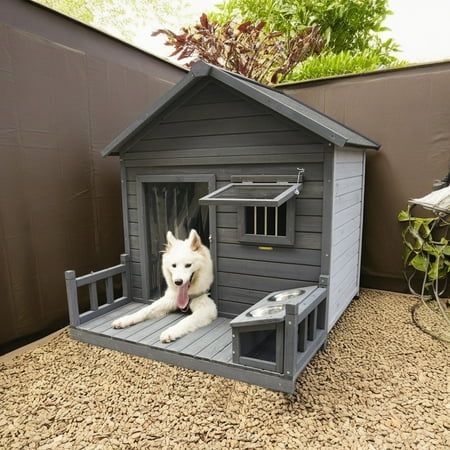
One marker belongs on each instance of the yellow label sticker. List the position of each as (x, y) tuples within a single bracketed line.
[(265, 248)]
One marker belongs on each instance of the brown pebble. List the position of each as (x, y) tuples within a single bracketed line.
[(379, 385)]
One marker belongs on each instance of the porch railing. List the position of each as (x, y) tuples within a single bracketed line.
[(305, 330), (73, 283)]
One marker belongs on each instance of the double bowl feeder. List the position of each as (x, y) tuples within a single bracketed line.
[(281, 331)]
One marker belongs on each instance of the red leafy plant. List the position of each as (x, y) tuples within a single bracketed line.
[(247, 48)]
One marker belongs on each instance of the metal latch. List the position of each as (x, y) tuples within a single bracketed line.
[(300, 173)]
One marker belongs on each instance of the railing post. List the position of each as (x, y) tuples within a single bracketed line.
[(290, 345), (72, 297), (312, 324), (126, 276), (93, 297), (109, 290)]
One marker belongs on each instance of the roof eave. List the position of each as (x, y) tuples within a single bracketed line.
[(198, 71), (370, 145), (238, 83)]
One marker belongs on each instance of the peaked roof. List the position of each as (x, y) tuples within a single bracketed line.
[(279, 102)]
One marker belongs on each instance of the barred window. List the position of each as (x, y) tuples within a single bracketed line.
[(265, 205), (266, 221), (267, 225)]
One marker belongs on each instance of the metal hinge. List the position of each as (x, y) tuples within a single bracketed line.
[(324, 280)]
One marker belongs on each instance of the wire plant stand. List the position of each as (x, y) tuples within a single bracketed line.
[(426, 256)]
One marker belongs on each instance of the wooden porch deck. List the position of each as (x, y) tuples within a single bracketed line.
[(208, 349), (212, 342)]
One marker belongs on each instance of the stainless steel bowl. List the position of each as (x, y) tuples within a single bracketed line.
[(265, 311), (286, 295)]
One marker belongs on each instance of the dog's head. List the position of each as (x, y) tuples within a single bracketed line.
[(187, 266)]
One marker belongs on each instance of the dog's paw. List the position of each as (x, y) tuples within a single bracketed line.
[(122, 322), (167, 336)]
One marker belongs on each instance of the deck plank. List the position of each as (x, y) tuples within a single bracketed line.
[(224, 355), (155, 330), (106, 327), (99, 320), (216, 346), (126, 333), (139, 328), (184, 341), (152, 327), (199, 345), (98, 324)]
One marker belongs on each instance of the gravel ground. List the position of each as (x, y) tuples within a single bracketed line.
[(381, 383)]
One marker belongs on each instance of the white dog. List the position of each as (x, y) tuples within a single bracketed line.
[(188, 271)]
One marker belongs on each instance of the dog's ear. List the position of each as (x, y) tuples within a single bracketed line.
[(194, 240), (170, 239)]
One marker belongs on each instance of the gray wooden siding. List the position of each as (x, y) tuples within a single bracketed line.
[(346, 230), (216, 117), (242, 266), (215, 131)]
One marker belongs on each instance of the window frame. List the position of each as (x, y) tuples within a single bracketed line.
[(288, 240), (262, 239), (283, 197)]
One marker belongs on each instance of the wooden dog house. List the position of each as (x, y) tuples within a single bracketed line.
[(274, 188)]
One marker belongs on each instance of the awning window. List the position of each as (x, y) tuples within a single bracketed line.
[(252, 194)]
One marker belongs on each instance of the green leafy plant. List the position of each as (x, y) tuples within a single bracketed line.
[(331, 64), (426, 255), (121, 18), (346, 24), (351, 29), (245, 48)]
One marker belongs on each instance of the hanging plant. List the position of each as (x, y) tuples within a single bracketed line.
[(426, 256)]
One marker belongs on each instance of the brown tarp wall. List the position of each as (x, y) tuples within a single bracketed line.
[(67, 90), (408, 113)]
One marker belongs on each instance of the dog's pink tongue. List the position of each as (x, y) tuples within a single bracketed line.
[(182, 296)]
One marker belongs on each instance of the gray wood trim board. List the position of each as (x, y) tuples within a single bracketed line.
[(212, 110), (216, 127), (307, 223), (327, 213), (348, 198), (225, 159), (303, 240), (313, 171), (273, 138), (124, 188), (363, 187), (148, 152)]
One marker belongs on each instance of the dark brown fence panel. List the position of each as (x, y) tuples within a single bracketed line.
[(66, 91), (407, 111)]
